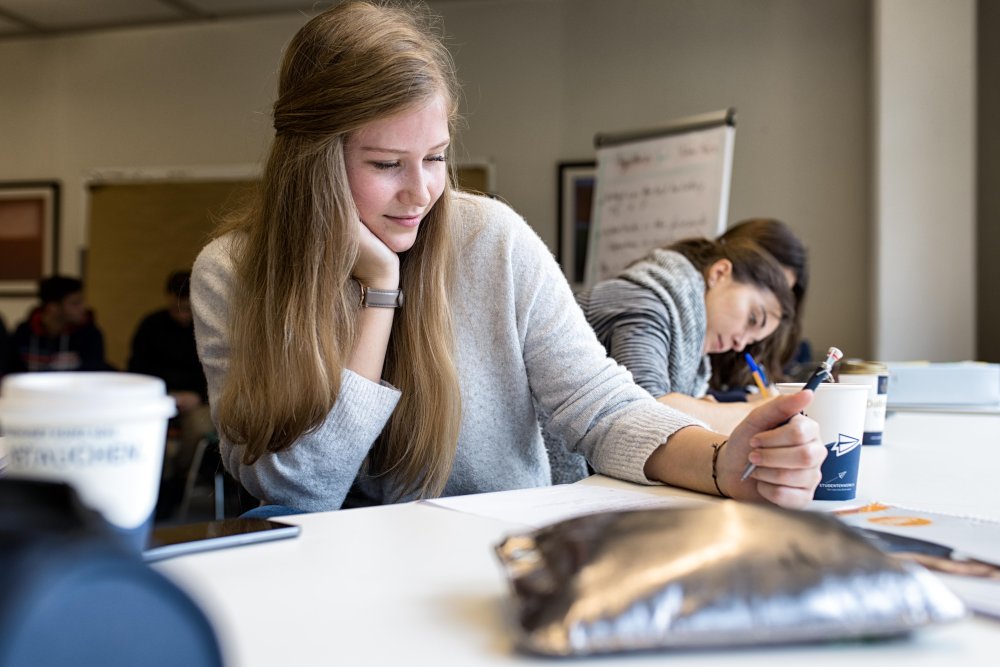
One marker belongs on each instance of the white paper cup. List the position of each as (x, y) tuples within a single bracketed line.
[(839, 409), (876, 376), (101, 433)]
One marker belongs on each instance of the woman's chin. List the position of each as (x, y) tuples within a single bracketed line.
[(715, 347), (400, 243)]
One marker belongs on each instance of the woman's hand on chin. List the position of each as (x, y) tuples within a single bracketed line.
[(377, 265)]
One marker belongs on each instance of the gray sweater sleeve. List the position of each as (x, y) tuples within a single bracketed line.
[(591, 401), (317, 471)]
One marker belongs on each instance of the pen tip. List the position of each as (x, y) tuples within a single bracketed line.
[(835, 353)]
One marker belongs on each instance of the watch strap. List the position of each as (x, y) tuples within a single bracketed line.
[(380, 298)]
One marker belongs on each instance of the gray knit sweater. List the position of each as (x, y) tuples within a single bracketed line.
[(520, 339), (651, 320)]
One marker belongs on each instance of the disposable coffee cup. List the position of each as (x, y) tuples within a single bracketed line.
[(839, 409), (101, 433), (876, 376)]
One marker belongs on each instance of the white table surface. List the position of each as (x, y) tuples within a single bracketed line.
[(415, 584)]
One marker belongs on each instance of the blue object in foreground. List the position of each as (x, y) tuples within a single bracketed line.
[(75, 595)]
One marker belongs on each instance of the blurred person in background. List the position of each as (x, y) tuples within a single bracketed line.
[(59, 334), (163, 345)]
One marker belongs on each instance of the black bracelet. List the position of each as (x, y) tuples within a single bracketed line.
[(716, 448)]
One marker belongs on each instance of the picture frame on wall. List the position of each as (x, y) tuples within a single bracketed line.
[(476, 176), (577, 181), (29, 235)]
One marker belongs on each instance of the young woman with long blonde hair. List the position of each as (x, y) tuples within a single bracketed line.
[(370, 335)]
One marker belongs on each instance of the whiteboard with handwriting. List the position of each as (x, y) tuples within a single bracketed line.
[(657, 190)]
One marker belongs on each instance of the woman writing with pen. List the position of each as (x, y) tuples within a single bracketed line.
[(731, 374), (666, 313)]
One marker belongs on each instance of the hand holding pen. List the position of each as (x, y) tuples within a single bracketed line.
[(786, 447), (822, 372)]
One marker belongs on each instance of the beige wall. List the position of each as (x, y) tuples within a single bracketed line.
[(924, 153), (796, 70), (135, 101), (541, 78)]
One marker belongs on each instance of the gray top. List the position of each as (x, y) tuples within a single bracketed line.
[(651, 319), (520, 339)]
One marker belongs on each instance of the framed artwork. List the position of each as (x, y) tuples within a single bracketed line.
[(29, 235), (575, 204), (476, 176)]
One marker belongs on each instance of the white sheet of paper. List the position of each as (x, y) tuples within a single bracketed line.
[(982, 596), (542, 506), (970, 537)]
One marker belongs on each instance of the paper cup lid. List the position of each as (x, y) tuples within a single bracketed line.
[(74, 395), (792, 387)]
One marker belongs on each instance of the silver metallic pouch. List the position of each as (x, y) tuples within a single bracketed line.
[(720, 574)]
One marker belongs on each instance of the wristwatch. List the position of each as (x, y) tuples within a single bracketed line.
[(380, 298)]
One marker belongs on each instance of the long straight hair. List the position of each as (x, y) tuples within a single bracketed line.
[(293, 313)]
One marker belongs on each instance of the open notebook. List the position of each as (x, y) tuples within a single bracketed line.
[(963, 550)]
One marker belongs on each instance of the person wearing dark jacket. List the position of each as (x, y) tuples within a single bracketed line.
[(163, 345), (60, 334)]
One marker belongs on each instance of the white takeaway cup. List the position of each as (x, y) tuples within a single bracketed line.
[(102, 433), (839, 409)]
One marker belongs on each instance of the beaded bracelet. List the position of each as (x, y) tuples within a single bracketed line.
[(716, 448)]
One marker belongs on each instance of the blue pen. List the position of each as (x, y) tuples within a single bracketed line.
[(755, 367), (758, 374), (822, 372)]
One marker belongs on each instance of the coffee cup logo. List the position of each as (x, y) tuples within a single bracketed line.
[(844, 445)]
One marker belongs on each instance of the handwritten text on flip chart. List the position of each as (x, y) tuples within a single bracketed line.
[(656, 191)]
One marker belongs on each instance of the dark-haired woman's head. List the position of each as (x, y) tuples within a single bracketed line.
[(747, 294), (778, 239), (773, 353)]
